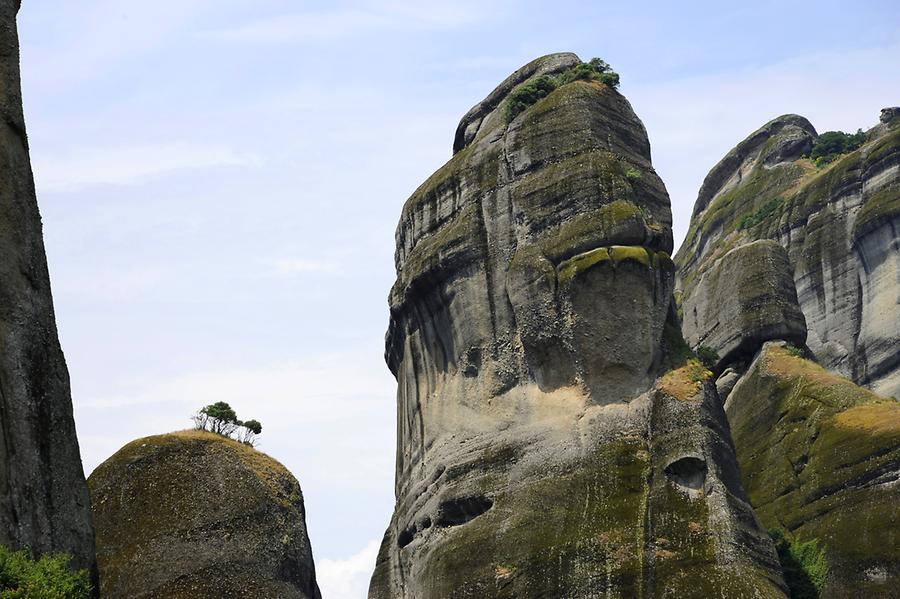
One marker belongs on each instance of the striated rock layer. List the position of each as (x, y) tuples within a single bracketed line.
[(193, 515), (839, 225), (540, 451), (44, 502)]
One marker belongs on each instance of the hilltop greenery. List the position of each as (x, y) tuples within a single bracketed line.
[(221, 419), (49, 577), (832, 144), (528, 93)]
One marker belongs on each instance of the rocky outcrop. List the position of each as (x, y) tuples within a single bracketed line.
[(745, 298), (543, 449), (194, 515), (839, 225), (44, 502), (820, 459)]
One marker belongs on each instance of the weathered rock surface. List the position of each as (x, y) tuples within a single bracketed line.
[(44, 502), (747, 297), (820, 458), (539, 453), (193, 515), (839, 225)]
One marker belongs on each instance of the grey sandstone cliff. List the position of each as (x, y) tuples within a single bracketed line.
[(44, 502), (819, 456), (546, 446), (745, 298), (193, 515), (839, 225)]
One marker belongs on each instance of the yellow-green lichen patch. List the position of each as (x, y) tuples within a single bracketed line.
[(576, 265), (622, 253), (619, 222), (881, 418), (685, 383)]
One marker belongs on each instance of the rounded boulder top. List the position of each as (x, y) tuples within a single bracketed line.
[(194, 514)]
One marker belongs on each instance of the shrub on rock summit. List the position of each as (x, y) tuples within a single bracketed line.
[(530, 92)]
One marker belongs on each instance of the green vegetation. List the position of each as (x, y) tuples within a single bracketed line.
[(804, 564), (528, 93), (707, 356), (761, 214), (795, 351), (221, 419), (831, 144), (50, 577), (632, 174), (675, 347)]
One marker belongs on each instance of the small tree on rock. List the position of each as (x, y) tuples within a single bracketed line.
[(221, 419)]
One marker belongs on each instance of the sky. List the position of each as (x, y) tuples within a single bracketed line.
[(220, 181)]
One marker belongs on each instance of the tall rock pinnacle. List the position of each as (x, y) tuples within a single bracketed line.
[(44, 502), (552, 441)]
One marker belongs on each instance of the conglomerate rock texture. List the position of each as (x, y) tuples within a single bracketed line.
[(543, 448), (193, 515), (44, 501), (839, 225), (820, 459)]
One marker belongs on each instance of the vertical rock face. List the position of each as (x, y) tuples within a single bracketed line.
[(746, 298), (44, 502), (839, 225), (539, 453), (193, 515)]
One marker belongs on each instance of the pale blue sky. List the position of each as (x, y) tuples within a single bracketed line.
[(220, 182)]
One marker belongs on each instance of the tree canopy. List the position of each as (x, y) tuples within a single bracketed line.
[(221, 419)]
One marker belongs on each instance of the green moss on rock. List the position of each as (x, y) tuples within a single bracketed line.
[(815, 470), (193, 514)]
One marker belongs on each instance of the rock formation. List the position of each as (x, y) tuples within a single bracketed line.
[(44, 502), (820, 458), (193, 515), (543, 448), (819, 455), (745, 298), (839, 225)]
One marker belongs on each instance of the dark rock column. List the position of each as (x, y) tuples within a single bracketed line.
[(44, 501)]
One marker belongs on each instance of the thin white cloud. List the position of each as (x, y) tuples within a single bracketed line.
[(328, 25), (322, 389), (304, 266), (347, 578), (131, 165)]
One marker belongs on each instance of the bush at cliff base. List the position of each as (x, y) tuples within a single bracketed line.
[(50, 577)]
